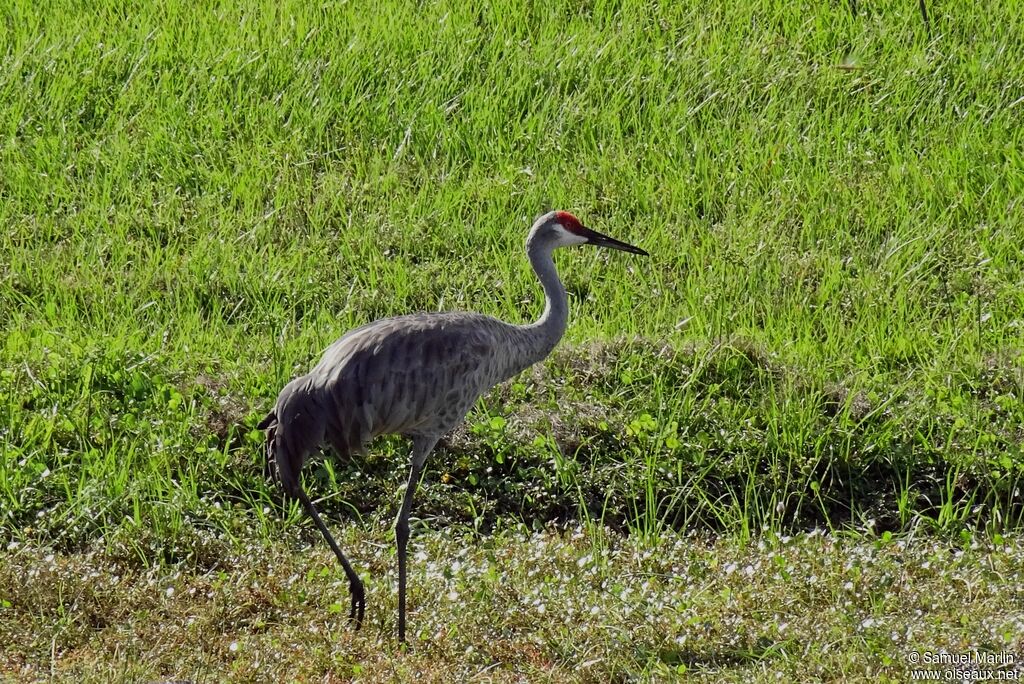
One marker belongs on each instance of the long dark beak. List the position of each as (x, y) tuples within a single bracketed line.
[(595, 238)]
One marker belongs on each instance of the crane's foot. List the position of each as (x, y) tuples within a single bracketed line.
[(358, 603), (403, 645)]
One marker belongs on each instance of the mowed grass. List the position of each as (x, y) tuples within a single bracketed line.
[(195, 201), (547, 606)]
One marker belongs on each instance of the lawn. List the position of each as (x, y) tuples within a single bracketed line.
[(818, 372)]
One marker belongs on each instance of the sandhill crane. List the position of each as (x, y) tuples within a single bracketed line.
[(415, 376)]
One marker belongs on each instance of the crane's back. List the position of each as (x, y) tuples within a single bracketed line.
[(410, 375)]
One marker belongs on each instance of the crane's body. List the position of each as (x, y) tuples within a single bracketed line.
[(416, 376), (409, 375)]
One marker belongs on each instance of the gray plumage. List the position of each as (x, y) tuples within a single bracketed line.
[(416, 376)]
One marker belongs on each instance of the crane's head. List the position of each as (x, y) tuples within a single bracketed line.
[(561, 229)]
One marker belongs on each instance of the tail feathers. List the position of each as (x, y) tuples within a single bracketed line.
[(267, 422), (293, 429), (277, 466), (269, 466)]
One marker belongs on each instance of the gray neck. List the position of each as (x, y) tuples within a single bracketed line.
[(538, 339)]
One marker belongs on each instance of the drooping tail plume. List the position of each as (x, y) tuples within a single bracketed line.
[(269, 462)]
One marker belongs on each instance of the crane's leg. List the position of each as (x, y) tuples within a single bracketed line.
[(421, 448), (286, 449), (355, 585)]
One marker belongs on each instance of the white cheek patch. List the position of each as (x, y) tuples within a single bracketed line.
[(566, 237)]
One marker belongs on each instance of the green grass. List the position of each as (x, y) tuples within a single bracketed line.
[(194, 202)]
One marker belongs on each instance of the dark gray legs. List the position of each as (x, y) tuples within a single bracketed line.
[(421, 448), (355, 585)]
